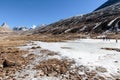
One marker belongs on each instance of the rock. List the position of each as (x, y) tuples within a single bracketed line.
[(118, 79), (8, 63), (38, 47), (35, 47), (116, 61)]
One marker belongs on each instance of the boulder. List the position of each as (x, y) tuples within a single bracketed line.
[(8, 63)]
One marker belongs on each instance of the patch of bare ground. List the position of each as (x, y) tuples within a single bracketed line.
[(11, 60), (65, 69), (54, 67), (114, 36), (48, 53), (35, 47), (112, 49)]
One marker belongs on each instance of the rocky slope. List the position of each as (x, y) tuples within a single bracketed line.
[(100, 21)]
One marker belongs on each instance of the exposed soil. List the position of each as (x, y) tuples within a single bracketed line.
[(11, 60), (112, 49), (54, 66)]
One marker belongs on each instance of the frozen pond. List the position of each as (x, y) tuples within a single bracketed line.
[(88, 52)]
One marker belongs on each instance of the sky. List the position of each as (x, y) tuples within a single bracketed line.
[(37, 12)]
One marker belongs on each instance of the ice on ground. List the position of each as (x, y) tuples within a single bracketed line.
[(88, 52), (29, 73)]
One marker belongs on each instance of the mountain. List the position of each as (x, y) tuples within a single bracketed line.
[(33, 27), (5, 28), (23, 28), (108, 3), (20, 28), (105, 19)]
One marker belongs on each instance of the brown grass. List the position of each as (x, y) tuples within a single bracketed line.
[(112, 49), (11, 60), (11, 43), (44, 37), (54, 66), (48, 53)]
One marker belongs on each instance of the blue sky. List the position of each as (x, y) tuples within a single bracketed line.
[(36, 12)]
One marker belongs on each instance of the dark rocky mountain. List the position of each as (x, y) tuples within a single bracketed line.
[(105, 19), (108, 3), (20, 28)]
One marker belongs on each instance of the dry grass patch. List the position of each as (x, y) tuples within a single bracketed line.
[(48, 53), (45, 37), (112, 49), (54, 67), (12, 43), (11, 60)]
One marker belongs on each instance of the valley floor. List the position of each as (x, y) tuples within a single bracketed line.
[(87, 54), (79, 59)]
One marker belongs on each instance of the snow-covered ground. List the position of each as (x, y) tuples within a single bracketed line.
[(88, 52)]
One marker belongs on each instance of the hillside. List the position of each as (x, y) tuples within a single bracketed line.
[(101, 21)]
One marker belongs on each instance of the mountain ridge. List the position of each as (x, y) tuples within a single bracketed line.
[(95, 22), (108, 3)]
